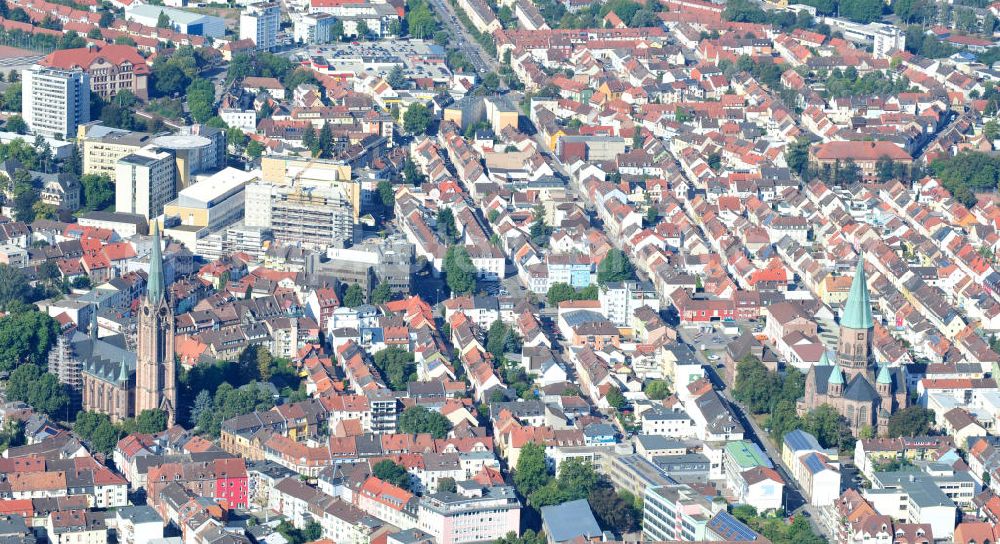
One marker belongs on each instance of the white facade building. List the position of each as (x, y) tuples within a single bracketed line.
[(313, 28), (54, 102), (145, 182), (260, 23)]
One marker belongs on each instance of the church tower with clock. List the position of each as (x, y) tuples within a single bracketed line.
[(156, 372)]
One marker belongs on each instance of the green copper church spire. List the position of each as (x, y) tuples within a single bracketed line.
[(883, 375), (858, 311), (123, 371), (836, 377), (824, 359), (156, 285)]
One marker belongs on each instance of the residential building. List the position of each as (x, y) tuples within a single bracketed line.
[(675, 513), (138, 525), (54, 102), (76, 527), (474, 514), (260, 23), (620, 300), (145, 182), (102, 146), (313, 28)]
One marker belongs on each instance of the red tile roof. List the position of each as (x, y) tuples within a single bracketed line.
[(84, 57)]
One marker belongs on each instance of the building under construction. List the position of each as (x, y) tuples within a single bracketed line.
[(308, 202)]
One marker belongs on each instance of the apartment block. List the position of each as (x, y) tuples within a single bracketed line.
[(145, 182), (54, 101)]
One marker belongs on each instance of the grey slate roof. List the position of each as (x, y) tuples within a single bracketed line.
[(569, 520)]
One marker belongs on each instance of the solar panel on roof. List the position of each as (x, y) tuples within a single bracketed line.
[(814, 463), (731, 528)]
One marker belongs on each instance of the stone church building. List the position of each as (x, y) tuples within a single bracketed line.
[(863, 391), (122, 387)]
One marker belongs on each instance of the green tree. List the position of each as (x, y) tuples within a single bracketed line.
[(396, 79), (612, 511), (201, 99), (447, 485), (445, 224), (386, 194), (991, 130), (29, 383), (12, 434), (797, 156), (313, 531), (420, 20), (501, 339), (559, 292), (657, 390), (13, 291), (615, 267), (98, 191), (97, 430), (16, 124), (151, 421), (202, 404), (163, 21), (532, 469), (169, 79), (381, 294), (411, 173), (755, 386), (417, 419), (911, 421), (12, 100), (390, 472), (324, 141), (310, 139), (829, 427), (255, 149), (459, 271), (966, 174), (354, 296), (417, 119), (576, 480), (615, 399), (396, 367)]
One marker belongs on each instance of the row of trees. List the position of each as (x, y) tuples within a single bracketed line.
[(763, 391), (576, 480), (204, 390), (559, 292), (776, 529), (968, 173), (208, 411), (102, 435)]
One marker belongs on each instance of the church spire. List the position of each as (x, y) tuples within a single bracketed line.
[(858, 310), (123, 371), (824, 359), (836, 377), (883, 375), (156, 283)]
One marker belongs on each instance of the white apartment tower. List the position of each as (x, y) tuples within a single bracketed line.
[(145, 181), (54, 102), (260, 23)]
